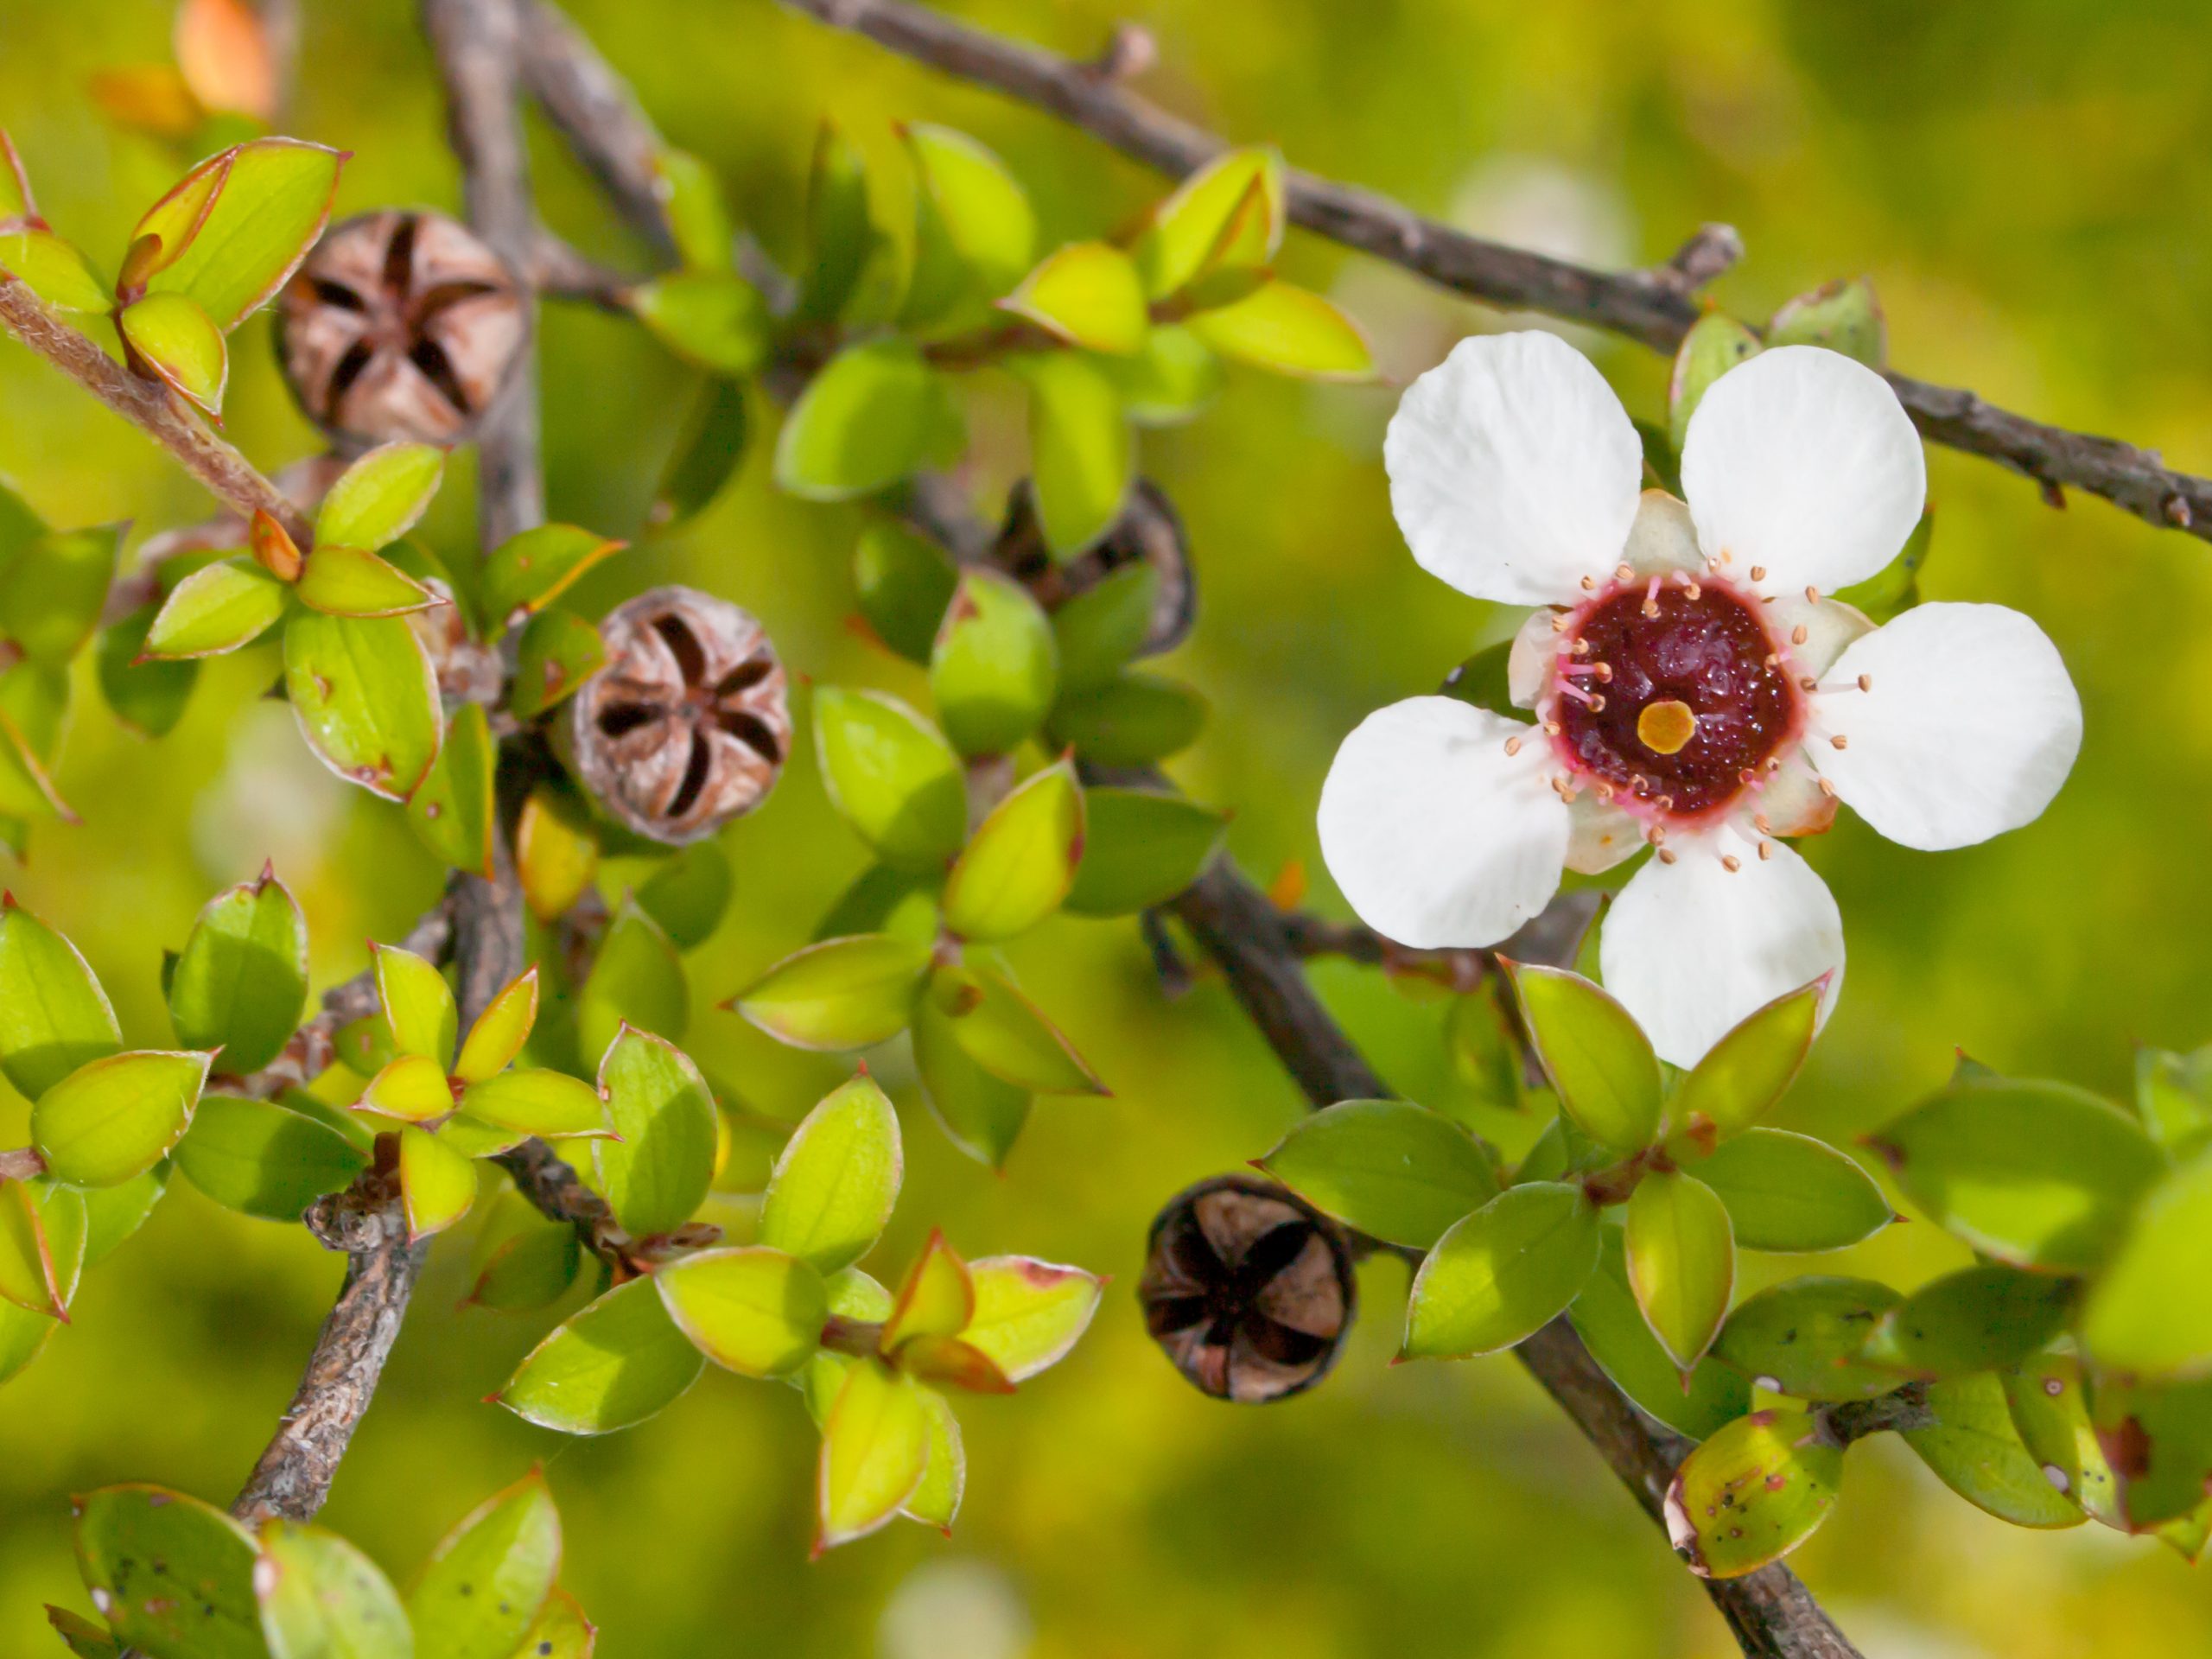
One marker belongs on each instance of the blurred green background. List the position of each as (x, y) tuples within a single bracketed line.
[(2025, 187)]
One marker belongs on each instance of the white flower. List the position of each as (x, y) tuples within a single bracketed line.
[(1693, 689)]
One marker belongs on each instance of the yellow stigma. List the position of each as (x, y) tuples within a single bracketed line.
[(1665, 728)]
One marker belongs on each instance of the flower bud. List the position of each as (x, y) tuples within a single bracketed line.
[(686, 726), (400, 326), (1247, 1289)]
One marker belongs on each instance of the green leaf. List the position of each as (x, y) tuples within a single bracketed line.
[(838, 1179), (1503, 1273), (1287, 330), (1081, 455), (483, 1585), (2151, 1310), (51, 593), (113, 1118), (995, 665), (1786, 1192), (620, 1360), (270, 201), (529, 571), (558, 652), (1198, 229), (975, 233), (1681, 1261), (263, 1158), (522, 1261), (557, 851), (418, 1003), (1619, 1339), (1029, 1314), (756, 1310), (1022, 860), (843, 994), (1754, 1492), (181, 344), (688, 894), (54, 1016), (437, 1182), (891, 776), (173, 1575), (219, 607), (636, 980), (936, 1501), (380, 497), (983, 1114), (691, 202), (2043, 1395), (1975, 1451), (904, 582), (52, 269), (2173, 1097), (852, 1295), (81, 1635), (1132, 721), (2158, 1438), (562, 1631), (322, 1598), (863, 422), (1895, 588), (112, 1214), (713, 318), (2036, 1174), (1173, 378), (33, 711), (412, 1089), (1715, 345), (148, 695), (240, 984), (1976, 1319), (874, 1452), (1596, 1055), (884, 900), (1743, 1074), (41, 1245), (707, 455), (453, 810), (350, 581), (1800, 1337), (549, 1104), (1003, 1031), (659, 1173), (23, 1336), (1102, 628), (1141, 848), (1839, 316), (840, 234), (1086, 294), (366, 697), (1385, 1167)]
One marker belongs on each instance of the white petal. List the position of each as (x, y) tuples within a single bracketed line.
[(1514, 469), (1529, 664), (1692, 948), (1436, 834), (1970, 727), (1602, 835), (1803, 463), (1663, 538), (1790, 798)]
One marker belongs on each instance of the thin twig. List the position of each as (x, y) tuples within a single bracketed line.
[(1655, 312), (150, 406)]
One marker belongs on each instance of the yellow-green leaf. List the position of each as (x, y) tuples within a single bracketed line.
[(756, 1310)]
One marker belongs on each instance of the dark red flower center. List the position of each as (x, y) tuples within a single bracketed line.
[(1676, 694)]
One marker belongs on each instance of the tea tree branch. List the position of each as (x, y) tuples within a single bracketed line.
[(1655, 307), (150, 406)]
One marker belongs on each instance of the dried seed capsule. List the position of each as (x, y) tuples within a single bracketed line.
[(1149, 531), (400, 326), (686, 726), (1248, 1290)]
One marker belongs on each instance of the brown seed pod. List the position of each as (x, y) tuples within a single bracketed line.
[(686, 726), (1247, 1289), (400, 326), (1149, 531)]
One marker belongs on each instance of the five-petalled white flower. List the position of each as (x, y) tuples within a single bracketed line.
[(1693, 691)]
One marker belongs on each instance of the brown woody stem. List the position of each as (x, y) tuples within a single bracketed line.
[(150, 406), (1655, 307)]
